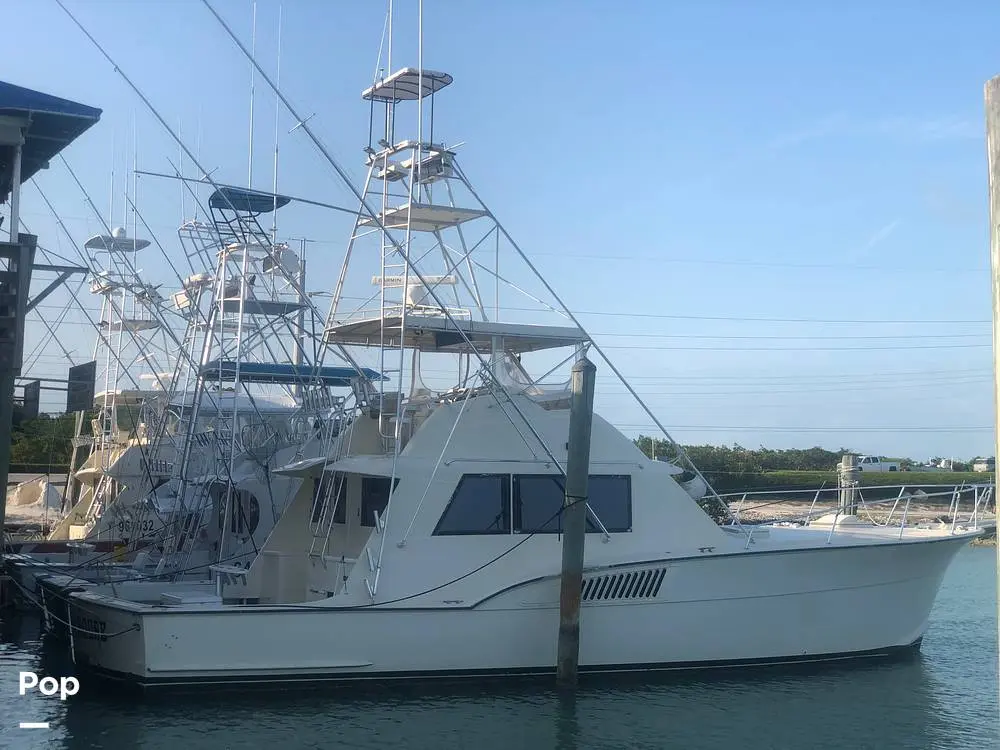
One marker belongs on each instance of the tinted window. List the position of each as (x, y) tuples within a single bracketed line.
[(539, 498), (374, 498), (241, 506), (480, 505), (246, 513), (325, 489), (610, 497), (127, 417)]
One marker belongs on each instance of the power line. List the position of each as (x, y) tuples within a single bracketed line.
[(752, 319), (805, 390), (721, 262), (720, 428), (744, 319), (705, 337), (760, 264), (736, 318), (849, 377), (783, 337), (795, 348)]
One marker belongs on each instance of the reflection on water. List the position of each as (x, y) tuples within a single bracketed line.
[(944, 698)]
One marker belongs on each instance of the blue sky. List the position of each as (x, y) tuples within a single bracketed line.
[(772, 215)]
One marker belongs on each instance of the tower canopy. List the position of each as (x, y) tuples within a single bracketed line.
[(228, 198), (408, 84)]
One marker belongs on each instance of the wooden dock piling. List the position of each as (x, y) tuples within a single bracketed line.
[(992, 97), (574, 520)]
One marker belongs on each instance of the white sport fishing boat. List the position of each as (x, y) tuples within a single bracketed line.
[(121, 458), (123, 499), (236, 416), (428, 542)]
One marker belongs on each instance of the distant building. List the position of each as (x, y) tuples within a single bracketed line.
[(983, 465)]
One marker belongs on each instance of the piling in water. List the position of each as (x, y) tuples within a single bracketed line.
[(992, 97), (574, 520)]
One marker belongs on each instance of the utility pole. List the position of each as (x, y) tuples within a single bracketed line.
[(574, 519), (992, 97)]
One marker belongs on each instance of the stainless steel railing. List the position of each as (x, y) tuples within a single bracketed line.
[(978, 496)]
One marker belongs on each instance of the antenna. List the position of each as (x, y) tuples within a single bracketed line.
[(418, 157), (135, 172), (198, 150), (180, 168), (253, 48), (111, 198), (388, 66), (124, 223), (277, 116)]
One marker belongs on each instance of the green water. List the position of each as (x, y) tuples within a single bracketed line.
[(944, 698)]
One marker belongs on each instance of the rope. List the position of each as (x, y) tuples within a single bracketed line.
[(28, 595)]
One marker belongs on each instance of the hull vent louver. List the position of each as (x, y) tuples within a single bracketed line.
[(637, 584)]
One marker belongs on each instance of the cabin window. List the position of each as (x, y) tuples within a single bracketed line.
[(325, 488), (374, 498), (247, 513), (127, 417), (538, 500), (479, 505), (244, 509), (610, 497)]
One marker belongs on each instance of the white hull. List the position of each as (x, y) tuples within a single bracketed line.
[(43, 559), (707, 611), (27, 574)]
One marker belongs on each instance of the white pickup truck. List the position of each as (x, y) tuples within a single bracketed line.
[(876, 463)]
